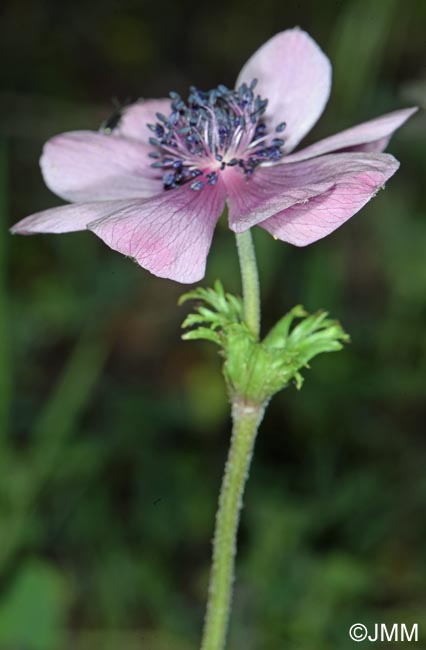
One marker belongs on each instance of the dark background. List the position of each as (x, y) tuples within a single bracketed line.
[(113, 432)]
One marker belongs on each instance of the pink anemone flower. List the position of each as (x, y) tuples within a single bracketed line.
[(153, 182)]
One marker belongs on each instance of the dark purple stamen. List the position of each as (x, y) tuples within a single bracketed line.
[(219, 126), (198, 185), (212, 178)]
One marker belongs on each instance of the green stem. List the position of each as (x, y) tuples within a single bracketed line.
[(246, 417), (250, 279), (246, 420)]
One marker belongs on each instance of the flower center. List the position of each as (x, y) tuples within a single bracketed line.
[(210, 132)]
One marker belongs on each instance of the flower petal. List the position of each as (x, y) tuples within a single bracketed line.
[(268, 191), (372, 136), (357, 176), (169, 234), (294, 75), (133, 123), (90, 166), (67, 218)]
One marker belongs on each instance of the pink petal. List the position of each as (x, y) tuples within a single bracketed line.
[(90, 166), (295, 76), (169, 234), (358, 177), (268, 191), (133, 123), (68, 218), (372, 136)]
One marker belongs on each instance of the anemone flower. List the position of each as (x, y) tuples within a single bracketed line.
[(153, 182)]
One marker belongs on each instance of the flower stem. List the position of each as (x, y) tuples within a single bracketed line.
[(246, 417), (250, 279), (246, 420)]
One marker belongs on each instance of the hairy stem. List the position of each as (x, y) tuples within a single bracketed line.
[(246, 417), (246, 420), (250, 280)]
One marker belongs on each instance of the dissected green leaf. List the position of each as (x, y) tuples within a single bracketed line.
[(258, 369)]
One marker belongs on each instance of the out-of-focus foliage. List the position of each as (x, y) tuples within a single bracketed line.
[(113, 432)]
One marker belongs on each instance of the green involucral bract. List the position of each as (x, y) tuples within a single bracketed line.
[(256, 370)]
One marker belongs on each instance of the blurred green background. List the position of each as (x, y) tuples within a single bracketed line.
[(113, 432)]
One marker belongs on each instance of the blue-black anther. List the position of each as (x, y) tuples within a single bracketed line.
[(212, 178), (198, 185), (168, 178)]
